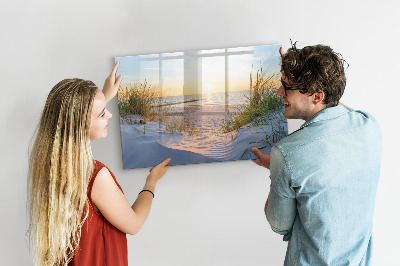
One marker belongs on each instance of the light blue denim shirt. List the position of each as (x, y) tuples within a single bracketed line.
[(323, 183)]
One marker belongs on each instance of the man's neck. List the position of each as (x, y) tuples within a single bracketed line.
[(318, 108)]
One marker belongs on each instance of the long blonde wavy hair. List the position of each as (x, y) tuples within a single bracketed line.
[(60, 167)]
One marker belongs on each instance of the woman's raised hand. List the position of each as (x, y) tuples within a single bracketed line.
[(111, 85)]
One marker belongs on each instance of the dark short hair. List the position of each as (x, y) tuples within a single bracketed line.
[(316, 69)]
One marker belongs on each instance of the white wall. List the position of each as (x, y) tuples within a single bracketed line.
[(208, 214)]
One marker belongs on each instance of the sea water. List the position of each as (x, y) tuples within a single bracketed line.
[(205, 99)]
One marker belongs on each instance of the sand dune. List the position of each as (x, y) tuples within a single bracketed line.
[(147, 145)]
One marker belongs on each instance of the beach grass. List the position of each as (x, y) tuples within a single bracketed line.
[(263, 101), (144, 100), (278, 129), (177, 124)]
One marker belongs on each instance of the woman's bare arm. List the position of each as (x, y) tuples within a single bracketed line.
[(114, 206)]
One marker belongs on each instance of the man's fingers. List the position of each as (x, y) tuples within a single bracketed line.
[(257, 161), (281, 52), (257, 152)]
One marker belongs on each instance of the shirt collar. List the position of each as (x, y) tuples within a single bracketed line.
[(326, 114)]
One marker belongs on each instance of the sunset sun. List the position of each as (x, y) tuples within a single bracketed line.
[(208, 88)]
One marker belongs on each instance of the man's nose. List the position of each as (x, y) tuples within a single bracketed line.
[(280, 91)]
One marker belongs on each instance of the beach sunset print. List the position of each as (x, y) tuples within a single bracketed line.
[(199, 106)]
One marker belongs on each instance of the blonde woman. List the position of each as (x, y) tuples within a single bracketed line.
[(78, 212)]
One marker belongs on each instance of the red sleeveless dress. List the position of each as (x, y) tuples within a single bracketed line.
[(101, 243)]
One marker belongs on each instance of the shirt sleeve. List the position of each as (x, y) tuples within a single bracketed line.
[(281, 210)]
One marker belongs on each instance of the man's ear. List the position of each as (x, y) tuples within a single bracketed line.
[(318, 97)]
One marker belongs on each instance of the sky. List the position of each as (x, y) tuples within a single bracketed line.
[(203, 71)]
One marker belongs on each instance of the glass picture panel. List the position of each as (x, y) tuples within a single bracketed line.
[(199, 106)]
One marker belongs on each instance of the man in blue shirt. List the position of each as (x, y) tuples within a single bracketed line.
[(323, 176)]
